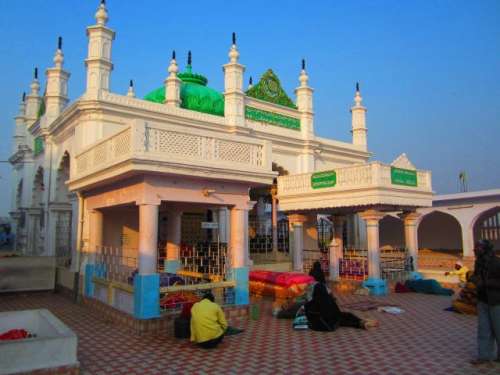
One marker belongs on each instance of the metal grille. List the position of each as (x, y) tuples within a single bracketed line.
[(115, 264), (205, 258), (283, 236), (63, 238)]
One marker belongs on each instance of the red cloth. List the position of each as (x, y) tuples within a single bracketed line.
[(14, 334), (401, 288), (285, 279), (186, 310)]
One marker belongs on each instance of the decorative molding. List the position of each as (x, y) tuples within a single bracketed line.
[(269, 89), (357, 185), (272, 118), (403, 162)]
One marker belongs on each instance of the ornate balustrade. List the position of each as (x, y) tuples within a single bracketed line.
[(358, 185), (374, 174), (175, 145)]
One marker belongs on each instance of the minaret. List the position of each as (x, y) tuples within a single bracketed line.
[(304, 103), (359, 136), (131, 92), (57, 87), (234, 106), (20, 133), (250, 83), (304, 95), (33, 100), (173, 83), (98, 62)]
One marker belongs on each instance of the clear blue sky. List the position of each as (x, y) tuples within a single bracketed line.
[(429, 70)]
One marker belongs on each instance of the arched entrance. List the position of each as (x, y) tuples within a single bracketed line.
[(63, 214), (487, 227), (391, 232), (441, 232), (35, 230)]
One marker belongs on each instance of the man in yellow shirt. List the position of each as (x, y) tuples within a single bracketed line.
[(208, 323), (461, 272)]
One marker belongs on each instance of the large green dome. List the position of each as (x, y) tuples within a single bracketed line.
[(195, 94)]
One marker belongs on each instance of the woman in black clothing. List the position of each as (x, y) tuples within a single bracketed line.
[(322, 311)]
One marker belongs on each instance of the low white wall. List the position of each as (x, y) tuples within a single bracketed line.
[(27, 273), (54, 346)]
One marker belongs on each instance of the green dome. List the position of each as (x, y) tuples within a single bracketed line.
[(195, 94)]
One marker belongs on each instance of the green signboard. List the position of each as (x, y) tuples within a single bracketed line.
[(325, 179), (406, 177)]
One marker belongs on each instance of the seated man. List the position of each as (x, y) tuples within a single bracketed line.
[(208, 323), (461, 272)]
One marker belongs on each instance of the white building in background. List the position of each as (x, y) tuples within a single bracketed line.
[(139, 176)]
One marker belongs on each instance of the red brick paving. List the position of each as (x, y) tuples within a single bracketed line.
[(423, 340)]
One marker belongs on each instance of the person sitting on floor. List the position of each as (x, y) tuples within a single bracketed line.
[(461, 272), (323, 313), (208, 323), (466, 301)]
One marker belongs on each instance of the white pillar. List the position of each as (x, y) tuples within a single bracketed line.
[(372, 218), (411, 236), (274, 218), (239, 237), (297, 244), (336, 246), (148, 238), (467, 240), (174, 234), (223, 224)]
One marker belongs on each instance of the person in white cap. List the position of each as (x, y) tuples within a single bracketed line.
[(460, 271)]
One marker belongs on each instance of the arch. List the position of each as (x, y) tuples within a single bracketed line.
[(438, 230), (63, 174), (38, 188), (391, 232), (486, 226)]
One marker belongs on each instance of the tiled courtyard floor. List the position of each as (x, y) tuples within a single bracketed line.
[(423, 340)]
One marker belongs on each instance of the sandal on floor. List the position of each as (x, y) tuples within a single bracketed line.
[(370, 323)]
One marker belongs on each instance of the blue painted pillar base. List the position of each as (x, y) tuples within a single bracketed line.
[(377, 287), (147, 296), (241, 293), (89, 290), (415, 276), (172, 266)]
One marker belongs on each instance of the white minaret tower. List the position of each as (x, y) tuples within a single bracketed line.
[(131, 91), (173, 83), (98, 62), (56, 97), (304, 103), (20, 133), (234, 107), (33, 100), (359, 136)]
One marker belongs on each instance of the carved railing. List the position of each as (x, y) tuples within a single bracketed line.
[(369, 175), (172, 143)]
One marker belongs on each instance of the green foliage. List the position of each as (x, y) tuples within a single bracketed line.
[(269, 89)]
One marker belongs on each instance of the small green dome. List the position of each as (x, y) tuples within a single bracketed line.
[(195, 94)]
